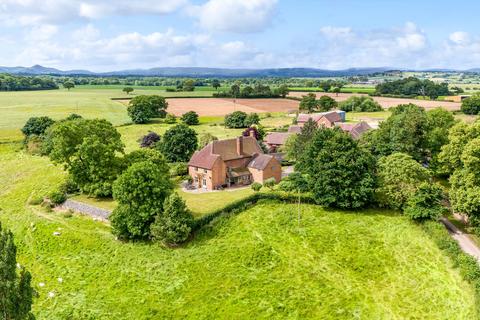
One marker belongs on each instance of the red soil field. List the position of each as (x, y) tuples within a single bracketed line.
[(388, 102)]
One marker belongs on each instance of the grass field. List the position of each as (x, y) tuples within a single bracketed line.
[(258, 264), (351, 89)]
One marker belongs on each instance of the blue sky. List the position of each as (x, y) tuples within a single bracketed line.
[(334, 34)]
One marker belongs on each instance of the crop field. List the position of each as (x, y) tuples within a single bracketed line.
[(260, 263), (389, 102)]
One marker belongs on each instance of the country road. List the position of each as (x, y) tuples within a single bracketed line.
[(467, 245)]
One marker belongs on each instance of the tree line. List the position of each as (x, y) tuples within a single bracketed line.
[(23, 83), (413, 87)]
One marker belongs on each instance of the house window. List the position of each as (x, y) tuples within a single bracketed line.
[(196, 168), (204, 170), (204, 182)]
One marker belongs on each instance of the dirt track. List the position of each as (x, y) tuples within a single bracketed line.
[(388, 102)]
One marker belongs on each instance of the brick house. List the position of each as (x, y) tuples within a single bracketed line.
[(326, 119), (225, 163)]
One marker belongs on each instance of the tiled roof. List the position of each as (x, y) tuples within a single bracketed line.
[(225, 150), (331, 116), (260, 161), (295, 129), (355, 129), (278, 138)]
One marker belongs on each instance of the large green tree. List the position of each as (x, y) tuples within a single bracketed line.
[(142, 108), (296, 144), (89, 150), (309, 103), (406, 131), (439, 123), (399, 176), (341, 173), (360, 104), (174, 224), (326, 103), (140, 192), (471, 105), (236, 120), (16, 293), (178, 143)]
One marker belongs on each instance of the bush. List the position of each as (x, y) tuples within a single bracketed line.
[(326, 103), (251, 119), (170, 118), (235, 120), (471, 105), (426, 203), (57, 197), (270, 183), (37, 126), (256, 186), (178, 169), (149, 140), (360, 104), (69, 186), (73, 116), (190, 118), (174, 224), (35, 201), (295, 182), (205, 139)]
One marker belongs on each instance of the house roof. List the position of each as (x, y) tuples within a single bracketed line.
[(295, 129), (355, 129), (260, 161), (331, 116), (225, 150), (277, 138)]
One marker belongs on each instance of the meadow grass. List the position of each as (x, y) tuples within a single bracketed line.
[(258, 264)]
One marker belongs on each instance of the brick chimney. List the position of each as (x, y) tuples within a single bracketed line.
[(240, 146)]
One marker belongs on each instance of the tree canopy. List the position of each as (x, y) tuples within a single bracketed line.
[(142, 108), (471, 105), (236, 120), (179, 143), (16, 293), (341, 173), (399, 176), (140, 192), (412, 86), (360, 104), (37, 126), (190, 118)]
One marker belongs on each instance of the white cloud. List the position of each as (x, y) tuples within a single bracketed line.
[(136, 50), (460, 38), (343, 47), (32, 12), (239, 16)]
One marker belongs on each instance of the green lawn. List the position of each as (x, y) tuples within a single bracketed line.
[(258, 264), (199, 203)]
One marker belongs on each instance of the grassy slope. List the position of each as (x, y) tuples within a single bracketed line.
[(257, 264)]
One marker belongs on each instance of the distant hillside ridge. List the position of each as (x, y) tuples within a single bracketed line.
[(199, 72)]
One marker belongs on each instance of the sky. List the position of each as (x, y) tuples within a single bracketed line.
[(101, 35)]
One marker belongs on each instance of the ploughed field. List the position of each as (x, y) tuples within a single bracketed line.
[(261, 263), (388, 102)]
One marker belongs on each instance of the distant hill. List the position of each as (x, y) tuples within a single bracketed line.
[(199, 72)]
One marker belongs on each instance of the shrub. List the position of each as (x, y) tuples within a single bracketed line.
[(34, 145), (235, 120), (149, 140), (190, 118), (178, 169), (170, 118), (360, 104), (174, 224), (35, 201), (471, 105), (69, 186), (37, 126), (73, 116), (295, 182), (270, 183), (256, 186), (426, 203), (205, 139), (57, 197), (251, 119)]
